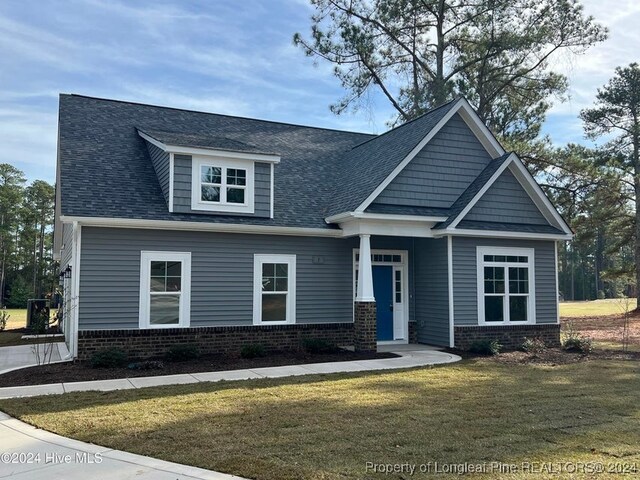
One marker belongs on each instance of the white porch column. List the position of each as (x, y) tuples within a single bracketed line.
[(365, 274)]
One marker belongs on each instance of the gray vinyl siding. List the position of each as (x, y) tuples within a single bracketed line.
[(441, 171), (67, 241), (160, 161), (221, 275), (506, 202), (182, 188), (432, 291), (464, 277)]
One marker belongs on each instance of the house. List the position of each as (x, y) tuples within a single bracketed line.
[(175, 226)]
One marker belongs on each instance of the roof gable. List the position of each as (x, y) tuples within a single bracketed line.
[(517, 186), (365, 171), (441, 171), (506, 201)]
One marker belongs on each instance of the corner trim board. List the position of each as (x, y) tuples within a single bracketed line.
[(450, 288)]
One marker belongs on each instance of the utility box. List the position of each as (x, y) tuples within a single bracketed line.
[(38, 311)]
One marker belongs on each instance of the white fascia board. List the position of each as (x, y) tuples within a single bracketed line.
[(500, 234), (472, 120), (341, 217), (212, 152), (538, 196), (203, 226), (482, 191), (395, 228)]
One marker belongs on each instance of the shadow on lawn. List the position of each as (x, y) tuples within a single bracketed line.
[(330, 426)]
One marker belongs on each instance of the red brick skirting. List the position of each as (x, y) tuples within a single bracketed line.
[(509, 336), (229, 340)]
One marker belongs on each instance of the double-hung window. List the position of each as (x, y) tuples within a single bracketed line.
[(274, 289), (506, 292), (222, 185), (165, 285)]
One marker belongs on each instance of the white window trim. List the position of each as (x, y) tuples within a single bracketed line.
[(507, 251), (258, 260), (225, 163), (146, 257)]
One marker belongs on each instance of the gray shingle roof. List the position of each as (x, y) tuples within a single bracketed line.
[(210, 141), (407, 210), (105, 169), (360, 171), (508, 227), (472, 190)]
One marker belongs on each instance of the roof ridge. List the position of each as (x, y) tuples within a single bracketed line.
[(410, 121), (216, 114)]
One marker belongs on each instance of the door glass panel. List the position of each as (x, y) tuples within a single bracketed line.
[(398, 285)]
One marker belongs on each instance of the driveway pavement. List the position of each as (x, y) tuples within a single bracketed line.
[(20, 356)]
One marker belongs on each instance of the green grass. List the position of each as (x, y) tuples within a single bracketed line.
[(17, 319), (595, 308), (329, 427)]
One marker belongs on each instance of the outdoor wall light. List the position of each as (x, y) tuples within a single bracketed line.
[(67, 272)]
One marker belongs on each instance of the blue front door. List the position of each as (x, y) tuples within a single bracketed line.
[(383, 291)]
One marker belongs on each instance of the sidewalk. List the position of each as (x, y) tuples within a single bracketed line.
[(32, 454), (410, 356)]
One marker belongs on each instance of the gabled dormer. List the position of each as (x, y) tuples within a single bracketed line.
[(212, 175)]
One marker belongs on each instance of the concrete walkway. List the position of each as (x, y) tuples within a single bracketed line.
[(32, 454), (22, 356), (410, 356)]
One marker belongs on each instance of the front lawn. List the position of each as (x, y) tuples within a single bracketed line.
[(329, 427), (596, 308)]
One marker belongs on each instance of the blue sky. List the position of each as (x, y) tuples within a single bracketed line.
[(227, 57)]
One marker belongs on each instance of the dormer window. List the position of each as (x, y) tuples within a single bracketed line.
[(222, 185)]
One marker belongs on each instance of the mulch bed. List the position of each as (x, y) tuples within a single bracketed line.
[(82, 371), (550, 357)]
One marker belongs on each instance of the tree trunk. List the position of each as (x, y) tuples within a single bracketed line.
[(439, 93), (40, 260)]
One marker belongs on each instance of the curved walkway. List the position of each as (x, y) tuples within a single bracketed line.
[(409, 356), (29, 453)]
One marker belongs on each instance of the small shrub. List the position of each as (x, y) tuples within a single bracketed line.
[(146, 365), (317, 345), (486, 347), (535, 346), (181, 353), (578, 344), (601, 295), (253, 351), (109, 358), (4, 318)]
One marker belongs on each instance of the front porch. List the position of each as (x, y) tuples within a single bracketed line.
[(401, 292)]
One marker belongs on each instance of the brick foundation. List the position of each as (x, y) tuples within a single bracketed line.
[(509, 336), (413, 332), (228, 340), (365, 327)]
